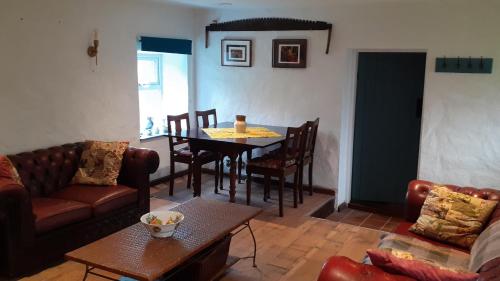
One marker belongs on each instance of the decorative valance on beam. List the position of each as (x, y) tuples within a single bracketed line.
[(270, 24)]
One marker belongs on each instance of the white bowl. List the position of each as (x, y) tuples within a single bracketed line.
[(162, 231)]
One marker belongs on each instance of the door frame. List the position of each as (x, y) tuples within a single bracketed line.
[(348, 115)]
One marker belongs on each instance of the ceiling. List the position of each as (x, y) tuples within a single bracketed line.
[(266, 4)]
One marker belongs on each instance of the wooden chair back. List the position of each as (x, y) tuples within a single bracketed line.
[(292, 147), (205, 117), (176, 120), (310, 133)]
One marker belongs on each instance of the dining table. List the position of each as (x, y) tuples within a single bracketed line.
[(199, 140)]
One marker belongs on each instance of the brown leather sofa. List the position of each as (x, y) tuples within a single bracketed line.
[(49, 217), (343, 269)]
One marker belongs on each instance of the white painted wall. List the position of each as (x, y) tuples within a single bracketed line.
[(53, 93), (461, 118)]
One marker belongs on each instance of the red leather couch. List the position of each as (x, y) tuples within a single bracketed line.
[(344, 269), (49, 217)]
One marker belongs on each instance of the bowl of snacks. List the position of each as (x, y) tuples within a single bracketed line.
[(162, 224)]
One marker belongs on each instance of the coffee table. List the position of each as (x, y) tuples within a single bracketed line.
[(132, 252)]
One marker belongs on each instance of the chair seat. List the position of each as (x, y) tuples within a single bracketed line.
[(186, 153), (53, 213), (102, 199), (269, 162)]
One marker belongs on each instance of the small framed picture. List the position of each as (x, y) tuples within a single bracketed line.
[(289, 53), (236, 52)]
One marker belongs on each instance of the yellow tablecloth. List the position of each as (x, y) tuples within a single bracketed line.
[(229, 133)]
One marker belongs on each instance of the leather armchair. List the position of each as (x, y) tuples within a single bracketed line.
[(342, 269)]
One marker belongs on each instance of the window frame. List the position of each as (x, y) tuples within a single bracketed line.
[(157, 60)]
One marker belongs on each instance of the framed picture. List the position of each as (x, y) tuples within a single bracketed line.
[(289, 53), (236, 52)]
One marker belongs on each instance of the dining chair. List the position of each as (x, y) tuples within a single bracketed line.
[(311, 130), (180, 152), (204, 115), (205, 123), (280, 165)]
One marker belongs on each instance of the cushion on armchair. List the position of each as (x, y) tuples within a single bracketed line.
[(421, 260), (100, 163), (453, 217)]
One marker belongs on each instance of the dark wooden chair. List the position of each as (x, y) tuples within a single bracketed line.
[(183, 154), (204, 115), (284, 163), (205, 123), (307, 158)]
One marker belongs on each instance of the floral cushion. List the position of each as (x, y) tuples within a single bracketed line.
[(406, 263), (7, 170), (453, 217), (100, 163)]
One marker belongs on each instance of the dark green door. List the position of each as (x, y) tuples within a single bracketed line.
[(387, 125)]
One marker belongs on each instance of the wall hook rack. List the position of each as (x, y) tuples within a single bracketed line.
[(464, 65), (270, 24)]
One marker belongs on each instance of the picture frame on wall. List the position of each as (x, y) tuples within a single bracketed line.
[(289, 53), (236, 53)]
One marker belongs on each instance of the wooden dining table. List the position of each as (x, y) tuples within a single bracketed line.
[(231, 147)]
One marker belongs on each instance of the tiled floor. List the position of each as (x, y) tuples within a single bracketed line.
[(365, 219)]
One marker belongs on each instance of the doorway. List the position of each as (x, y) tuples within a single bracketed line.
[(389, 94)]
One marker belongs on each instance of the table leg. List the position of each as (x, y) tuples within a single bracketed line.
[(196, 172), (232, 177)]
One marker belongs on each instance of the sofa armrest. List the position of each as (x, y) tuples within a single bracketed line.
[(17, 223), (138, 164), (339, 268)]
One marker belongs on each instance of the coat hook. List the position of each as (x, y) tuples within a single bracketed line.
[(481, 64), (470, 62), (458, 62), (444, 62)]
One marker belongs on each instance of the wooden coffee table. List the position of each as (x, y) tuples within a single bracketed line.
[(132, 252)]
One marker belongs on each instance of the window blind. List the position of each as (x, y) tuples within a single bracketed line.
[(166, 45)]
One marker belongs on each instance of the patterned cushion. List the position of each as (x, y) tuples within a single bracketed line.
[(453, 217), (100, 163), (7, 170), (270, 163), (421, 260), (486, 248)]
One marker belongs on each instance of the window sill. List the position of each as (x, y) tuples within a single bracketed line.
[(151, 138)]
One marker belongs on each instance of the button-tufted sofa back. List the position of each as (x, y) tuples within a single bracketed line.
[(45, 171), (418, 190)]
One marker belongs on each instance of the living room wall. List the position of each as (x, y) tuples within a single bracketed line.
[(53, 93), (461, 120)]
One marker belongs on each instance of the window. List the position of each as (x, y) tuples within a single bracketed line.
[(163, 85)]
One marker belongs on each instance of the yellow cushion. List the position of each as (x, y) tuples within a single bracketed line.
[(100, 163), (453, 217), (7, 170)]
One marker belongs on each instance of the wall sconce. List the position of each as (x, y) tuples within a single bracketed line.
[(92, 50)]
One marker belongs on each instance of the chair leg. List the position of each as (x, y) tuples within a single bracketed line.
[(216, 189), (221, 173), (280, 195), (301, 184), (311, 177), (172, 177), (295, 187), (266, 187), (249, 187), (240, 164), (190, 174)]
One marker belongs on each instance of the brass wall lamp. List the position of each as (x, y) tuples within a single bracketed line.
[(92, 50)]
